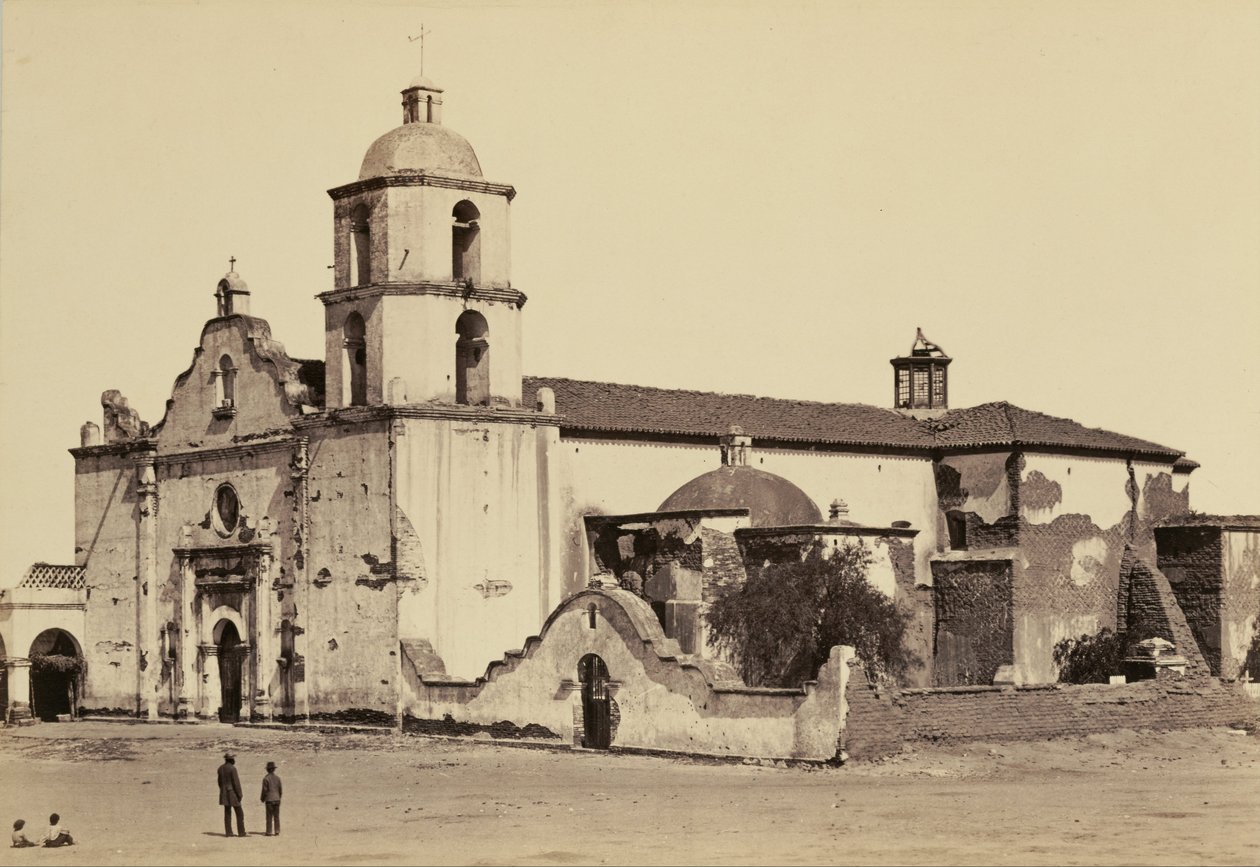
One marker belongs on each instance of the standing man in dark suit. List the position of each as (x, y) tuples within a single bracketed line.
[(271, 790), (230, 795)]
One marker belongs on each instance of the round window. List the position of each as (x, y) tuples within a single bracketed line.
[(227, 510)]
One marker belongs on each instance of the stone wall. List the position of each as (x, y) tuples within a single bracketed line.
[(880, 721)]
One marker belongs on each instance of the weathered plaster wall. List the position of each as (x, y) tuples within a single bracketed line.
[(606, 477), (1077, 514), (888, 566), (1055, 485), (105, 545), (259, 399), (419, 346), (25, 612), (879, 489), (186, 490), (663, 702), (975, 614), (411, 235), (622, 477), (469, 495), (351, 617), (1240, 608), (336, 372), (417, 225)]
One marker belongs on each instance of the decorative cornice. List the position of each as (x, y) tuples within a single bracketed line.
[(247, 448), (67, 606), (441, 289), (126, 448), (826, 530), (420, 179), (440, 411), (253, 549)]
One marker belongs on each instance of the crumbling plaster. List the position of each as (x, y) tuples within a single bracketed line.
[(665, 702), (878, 489)]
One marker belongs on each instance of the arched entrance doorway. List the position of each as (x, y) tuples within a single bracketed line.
[(56, 672), (596, 705), (231, 655)]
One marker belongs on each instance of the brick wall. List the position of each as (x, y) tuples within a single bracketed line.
[(1191, 559), (974, 634), (881, 720), (1153, 604)]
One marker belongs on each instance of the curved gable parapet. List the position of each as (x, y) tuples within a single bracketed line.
[(641, 626), (203, 393)]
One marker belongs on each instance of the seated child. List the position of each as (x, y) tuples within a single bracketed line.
[(57, 835), (20, 840)]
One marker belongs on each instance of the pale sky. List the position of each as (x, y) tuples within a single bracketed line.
[(757, 197)]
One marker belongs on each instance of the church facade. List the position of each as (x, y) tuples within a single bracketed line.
[(390, 529)]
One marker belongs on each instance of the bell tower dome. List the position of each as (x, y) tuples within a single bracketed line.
[(422, 307)]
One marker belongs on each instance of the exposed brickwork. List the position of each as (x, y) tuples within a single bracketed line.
[(779, 548), (1153, 603), (876, 722), (974, 634), (723, 566), (880, 721), (643, 547), (1056, 580), (1213, 566), (1191, 559)]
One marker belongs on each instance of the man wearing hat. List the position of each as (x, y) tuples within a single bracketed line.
[(271, 799), (230, 795)]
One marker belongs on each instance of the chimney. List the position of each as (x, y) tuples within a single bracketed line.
[(839, 511)]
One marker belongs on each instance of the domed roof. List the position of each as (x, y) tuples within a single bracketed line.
[(425, 82), (232, 281), (420, 147), (771, 501)]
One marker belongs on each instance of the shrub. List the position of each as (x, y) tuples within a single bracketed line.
[(1090, 658), (780, 626)]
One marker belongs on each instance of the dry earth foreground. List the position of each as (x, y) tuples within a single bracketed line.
[(146, 794)]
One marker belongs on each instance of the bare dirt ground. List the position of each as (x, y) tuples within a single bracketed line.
[(146, 794)]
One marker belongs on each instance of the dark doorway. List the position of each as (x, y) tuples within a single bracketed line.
[(230, 655), (54, 675), (596, 706)]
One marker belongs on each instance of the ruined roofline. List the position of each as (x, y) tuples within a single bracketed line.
[(1246, 523)]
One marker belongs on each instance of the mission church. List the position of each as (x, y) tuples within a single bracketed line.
[(412, 527)]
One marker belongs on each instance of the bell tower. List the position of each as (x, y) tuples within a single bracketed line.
[(422, 308)]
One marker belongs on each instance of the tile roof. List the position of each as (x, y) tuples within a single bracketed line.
[(46, 575), (606, 406), (610, 407), (1003, 424)]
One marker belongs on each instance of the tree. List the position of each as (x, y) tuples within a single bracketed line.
[(780, 626)]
